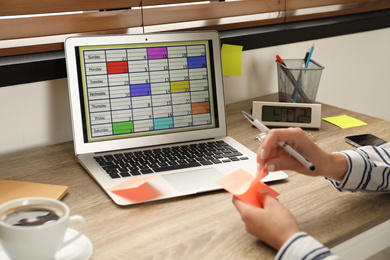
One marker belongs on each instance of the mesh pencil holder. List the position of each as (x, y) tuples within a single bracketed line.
[(297, 84)]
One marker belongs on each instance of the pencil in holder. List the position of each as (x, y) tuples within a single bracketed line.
[(297, 84)]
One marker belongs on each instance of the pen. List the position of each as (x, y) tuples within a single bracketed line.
[(309, 57), (286, 147), (305, 64), (294, 96), (280, 60), (306, 55)]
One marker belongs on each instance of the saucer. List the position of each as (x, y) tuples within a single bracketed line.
[(81, 249)]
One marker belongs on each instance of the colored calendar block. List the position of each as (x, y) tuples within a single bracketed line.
[(200, 108), (122, 128), (180, 86), (140, 90), (157, 53), (197, 62), (117, 67)]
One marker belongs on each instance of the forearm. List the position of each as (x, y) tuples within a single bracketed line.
[(368, 170), (303, 246), (333, 166)]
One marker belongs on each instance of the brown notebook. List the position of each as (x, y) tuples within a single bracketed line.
[(10, 190)]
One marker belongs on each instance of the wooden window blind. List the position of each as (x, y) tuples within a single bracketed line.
[(30, 26)]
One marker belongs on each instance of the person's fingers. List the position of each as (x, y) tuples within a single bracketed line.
[(266, 199), (239, 204), (247, 212), (292, 136), (287, 163)]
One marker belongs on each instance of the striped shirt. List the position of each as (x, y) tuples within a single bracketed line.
[(368, 171)]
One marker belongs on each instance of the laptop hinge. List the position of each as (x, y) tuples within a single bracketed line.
[(156, 146)]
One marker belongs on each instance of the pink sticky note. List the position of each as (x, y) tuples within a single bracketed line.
[(132, 183), (246, 187)]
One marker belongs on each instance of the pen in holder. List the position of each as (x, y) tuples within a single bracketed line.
[(297, 84)]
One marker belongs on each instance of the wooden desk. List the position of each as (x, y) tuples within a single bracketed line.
[(206, 226)]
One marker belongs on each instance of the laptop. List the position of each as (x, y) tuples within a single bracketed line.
[(151, 107)]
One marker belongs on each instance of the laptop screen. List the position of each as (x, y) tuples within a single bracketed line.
[(129, 91), (146, 89)]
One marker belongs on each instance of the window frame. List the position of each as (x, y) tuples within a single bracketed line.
[(47, 31), (51, 64)]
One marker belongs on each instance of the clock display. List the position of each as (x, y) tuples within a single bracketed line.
[(287, 114)]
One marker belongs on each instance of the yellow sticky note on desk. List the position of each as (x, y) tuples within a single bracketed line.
[(344, 121), (231, 56)]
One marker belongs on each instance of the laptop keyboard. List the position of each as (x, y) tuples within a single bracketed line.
[(171, 158)]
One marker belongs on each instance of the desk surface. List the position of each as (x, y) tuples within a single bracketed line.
[(206, 226)]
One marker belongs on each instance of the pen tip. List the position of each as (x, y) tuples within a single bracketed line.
[(248, 116)]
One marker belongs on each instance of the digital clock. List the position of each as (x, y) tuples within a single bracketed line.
[(287, 114)]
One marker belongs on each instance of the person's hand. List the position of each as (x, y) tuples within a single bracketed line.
[(273, 224), (273, 157)]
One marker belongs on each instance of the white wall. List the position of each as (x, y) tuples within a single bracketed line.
[(355, 74), (34, 115), (355, 77)]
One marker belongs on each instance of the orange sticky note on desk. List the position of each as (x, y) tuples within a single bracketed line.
[(132, 183), (246, 187)]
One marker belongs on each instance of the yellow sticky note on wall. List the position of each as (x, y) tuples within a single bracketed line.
[(231, 56), (344, 121)]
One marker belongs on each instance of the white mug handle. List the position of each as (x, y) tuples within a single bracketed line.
[(75, 218)]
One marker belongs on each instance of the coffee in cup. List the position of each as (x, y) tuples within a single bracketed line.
[(31, 215), (34, 228)]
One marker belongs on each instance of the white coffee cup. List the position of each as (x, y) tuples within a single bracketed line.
[(27, 237)]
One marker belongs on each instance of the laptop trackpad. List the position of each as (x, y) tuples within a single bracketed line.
[(194, 181)]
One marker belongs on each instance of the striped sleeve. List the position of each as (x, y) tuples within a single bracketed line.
[(368, 170), (302, 246)]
